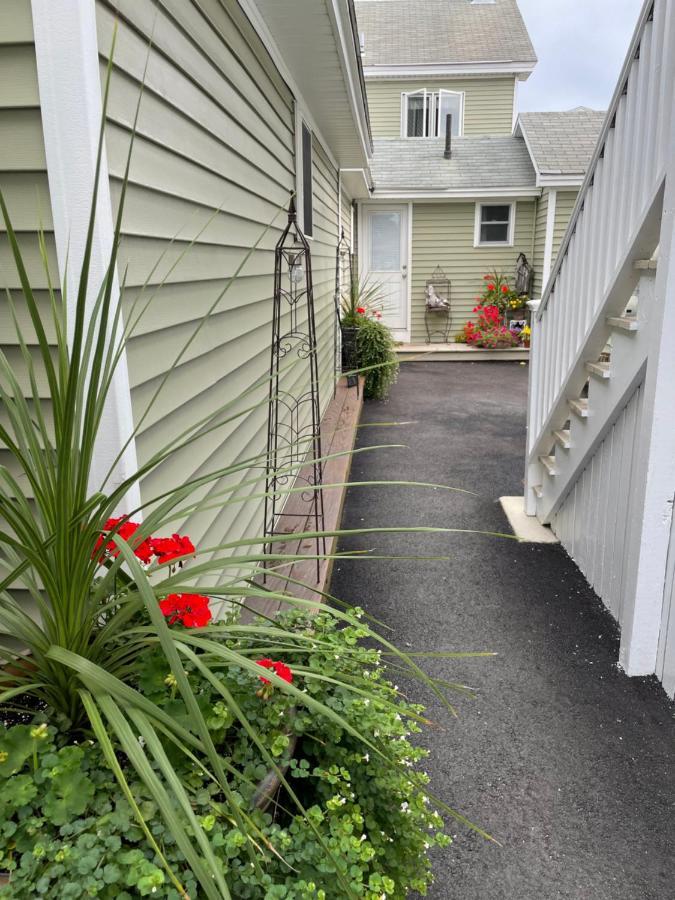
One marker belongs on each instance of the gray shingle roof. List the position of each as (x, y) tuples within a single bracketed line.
[(419, 32), (477, 164), (562, 143)]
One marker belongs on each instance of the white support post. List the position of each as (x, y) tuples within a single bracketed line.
[(532, 470), (548, 243), (69, 83), (654, 491)]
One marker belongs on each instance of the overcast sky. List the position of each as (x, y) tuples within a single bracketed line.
[(581, 45)]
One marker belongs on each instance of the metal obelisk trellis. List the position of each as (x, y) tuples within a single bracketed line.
[(342, 248), (294, 420)]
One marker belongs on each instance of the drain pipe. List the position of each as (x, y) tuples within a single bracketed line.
[(448, 137)]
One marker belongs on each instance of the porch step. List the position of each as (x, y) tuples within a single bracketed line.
[(599, 369), (579, 407), (538, 490), (562, 438), (625, 323), (548, 462)]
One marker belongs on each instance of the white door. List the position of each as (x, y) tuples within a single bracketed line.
[(385, 261)]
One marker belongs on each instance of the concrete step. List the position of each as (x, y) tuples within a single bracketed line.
[(624, 323), (579, 407), (599, 369), (548, 462), (562, 438), (538, 490)]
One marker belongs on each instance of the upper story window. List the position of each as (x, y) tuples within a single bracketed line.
[(424, 113), (494, 224), (304, 175)]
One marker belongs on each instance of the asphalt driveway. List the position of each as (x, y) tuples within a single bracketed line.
[(565, 760)]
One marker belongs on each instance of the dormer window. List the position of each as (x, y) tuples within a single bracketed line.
[(424, 113)]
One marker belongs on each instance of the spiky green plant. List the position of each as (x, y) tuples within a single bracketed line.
[(97, 616)]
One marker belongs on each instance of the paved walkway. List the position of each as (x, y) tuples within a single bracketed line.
[(569, 763)]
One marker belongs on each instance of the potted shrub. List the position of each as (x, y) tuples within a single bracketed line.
[(377, 356)]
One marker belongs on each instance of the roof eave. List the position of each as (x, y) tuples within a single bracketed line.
[(521, 69), (466, 193)]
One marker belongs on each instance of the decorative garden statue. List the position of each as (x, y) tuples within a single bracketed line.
[(524, 276), (434, 301)]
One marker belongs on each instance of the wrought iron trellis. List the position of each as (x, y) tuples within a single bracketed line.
[(438, 318), (342, 249), (294, 416)]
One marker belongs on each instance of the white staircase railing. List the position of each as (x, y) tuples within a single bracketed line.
[(616, 222)]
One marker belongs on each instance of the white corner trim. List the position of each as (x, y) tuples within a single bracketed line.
[(548, 242), (69, 83), (408, 316), (477, 223)]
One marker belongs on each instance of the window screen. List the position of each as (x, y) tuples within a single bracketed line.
[(495, 224), (307, 205)]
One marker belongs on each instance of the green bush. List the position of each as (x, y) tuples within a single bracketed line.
[(67, 830), (376, 348)]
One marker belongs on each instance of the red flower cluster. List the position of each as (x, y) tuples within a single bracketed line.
[(361, 310), (281, 669), (191, 610), (488, 331), (505, 289), (164, 549)]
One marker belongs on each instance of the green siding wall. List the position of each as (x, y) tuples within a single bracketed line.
[(443, 234), (488, 104), (213, 163), (23, 180), (539, 243), (565, 201)]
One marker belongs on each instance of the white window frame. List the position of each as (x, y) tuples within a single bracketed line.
[(479, 221), (430, 97), (302, 121)]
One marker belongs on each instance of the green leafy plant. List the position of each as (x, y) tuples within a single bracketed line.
[(68, 830), (365, 297), (377, 357), (497, 292), (111, 595)]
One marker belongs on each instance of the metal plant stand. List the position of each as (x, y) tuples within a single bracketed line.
[(437, 315), (342, 248), (294, 418)]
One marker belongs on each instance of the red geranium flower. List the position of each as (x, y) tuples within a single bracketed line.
[(505, 289), (490, 287), (360, 310), (190, 609), (281, 669), (126, 531), (166, 549)]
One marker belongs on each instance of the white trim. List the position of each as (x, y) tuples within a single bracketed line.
[(515, 105), (69, 82), (481, 245), (548, 242), (408, 331), (257, 21), (459, 194), (360, 174), (350, 63), (560, 181), (522, 69)]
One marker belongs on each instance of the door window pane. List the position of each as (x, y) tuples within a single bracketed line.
[(385, 242)]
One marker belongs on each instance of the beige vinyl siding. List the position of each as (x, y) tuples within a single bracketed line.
[(540, 243), (565, 201), (488, 103), (443, 235), (213, 164)]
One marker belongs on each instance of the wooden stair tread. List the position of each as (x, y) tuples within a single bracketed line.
[(625, 323), (562, 438), (579, 407), (548, 462), (599, 369)]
